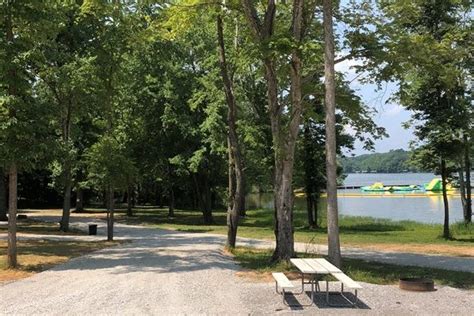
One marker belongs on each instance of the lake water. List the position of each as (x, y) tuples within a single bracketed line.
[(420, 207)]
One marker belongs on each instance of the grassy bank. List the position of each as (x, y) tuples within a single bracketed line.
[(257, 263), (355, 231)]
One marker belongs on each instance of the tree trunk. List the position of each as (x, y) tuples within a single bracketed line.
[(3, 197), (285, 142), (171, 202), (129, 200), (110, 214), (446, 233), (242, 210), (64, 225), (467, 166), (309, 209), (283, 137), (235, 159), (315, 207), (462, 191), (206, 198), (308, 170), (79, 199), (334, 249), (12, 262), (203, 196)]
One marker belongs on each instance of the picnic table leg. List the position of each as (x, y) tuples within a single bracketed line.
[(327, 293), (353, 303)]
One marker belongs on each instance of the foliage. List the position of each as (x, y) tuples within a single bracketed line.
[(394, 161)]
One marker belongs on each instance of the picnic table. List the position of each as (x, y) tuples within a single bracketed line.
[(315, 268)]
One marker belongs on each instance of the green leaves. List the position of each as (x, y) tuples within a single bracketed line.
[(108, 165)]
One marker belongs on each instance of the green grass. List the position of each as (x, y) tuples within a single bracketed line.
[(359, 270), (354, 230)]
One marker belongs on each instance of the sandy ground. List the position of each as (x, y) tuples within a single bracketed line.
[(168, 273)]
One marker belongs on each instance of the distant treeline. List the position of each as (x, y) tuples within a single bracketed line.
[(394, 161)]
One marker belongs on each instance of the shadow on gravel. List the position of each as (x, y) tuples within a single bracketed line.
[(337, 301), (301, 302), (162, 252)]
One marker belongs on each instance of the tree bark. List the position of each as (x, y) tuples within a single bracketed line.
[(235, 158), (467, 166), (129, 200), (308, 169), (66, 132), (243, 208), (446, 233), (309, 209), (12, 262), (79, 199), (64, 225), (315, 207), (3, 197), (206, 198), (334, 249), (203, 195), (462, 191), (110, 214), (171, 202)]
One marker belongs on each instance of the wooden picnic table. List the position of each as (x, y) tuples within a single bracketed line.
[(317, 267)]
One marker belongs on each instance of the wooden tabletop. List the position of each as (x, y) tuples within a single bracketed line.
[(314, 266)]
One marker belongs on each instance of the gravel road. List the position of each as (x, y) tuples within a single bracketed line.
[(168, 273)]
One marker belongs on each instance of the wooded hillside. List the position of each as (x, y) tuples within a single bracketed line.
[(393, 161)]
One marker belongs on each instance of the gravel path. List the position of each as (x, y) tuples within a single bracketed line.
[(465, 264), (168, 273)]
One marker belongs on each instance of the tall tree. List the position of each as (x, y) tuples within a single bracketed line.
[(284, 122), (67, 82), (334, 248), (21, 117), (235, 186)]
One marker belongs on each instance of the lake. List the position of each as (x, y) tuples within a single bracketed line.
[(426, 208)]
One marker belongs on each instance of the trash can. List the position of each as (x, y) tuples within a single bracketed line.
[(93, 229)]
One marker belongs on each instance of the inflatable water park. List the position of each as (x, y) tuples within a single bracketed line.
[(434, 185)]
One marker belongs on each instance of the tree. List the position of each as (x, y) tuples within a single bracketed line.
[(334, 248), (67, 82), (425, 46), (235, 158), (284, 123), (22, 119)]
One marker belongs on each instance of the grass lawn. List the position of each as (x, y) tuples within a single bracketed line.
[(377, 234), (257, 263), (36, 227), (39, 255)]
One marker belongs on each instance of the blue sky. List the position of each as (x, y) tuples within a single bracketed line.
[(389, 115)]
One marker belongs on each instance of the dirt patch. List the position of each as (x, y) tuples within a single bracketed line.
[(39, 255), (92, 213), (11, 275), (422, 248), (255, 276)]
